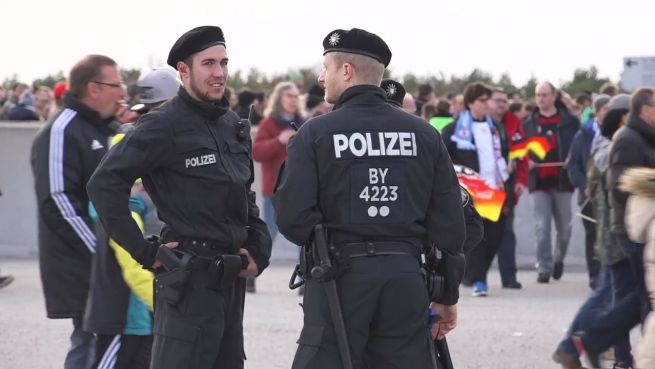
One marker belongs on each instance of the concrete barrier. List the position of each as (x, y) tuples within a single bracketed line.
[(18, 219)]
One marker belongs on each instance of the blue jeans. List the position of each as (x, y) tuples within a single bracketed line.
[(507, 251), (269, 216), (81, 354), (614, 283)]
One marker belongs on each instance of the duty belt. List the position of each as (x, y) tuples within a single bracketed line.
[(376, 248), (205, 248)]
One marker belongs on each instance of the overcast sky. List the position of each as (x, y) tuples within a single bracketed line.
[(545, 38)]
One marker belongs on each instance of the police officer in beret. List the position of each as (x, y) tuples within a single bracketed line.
[(395, 92), (382, 184), (194, 156)]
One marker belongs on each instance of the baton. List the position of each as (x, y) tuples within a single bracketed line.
[(330, 285), (443, 354)]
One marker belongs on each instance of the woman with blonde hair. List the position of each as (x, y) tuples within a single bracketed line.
[(270, 145)]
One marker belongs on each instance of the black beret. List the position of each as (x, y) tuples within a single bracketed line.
[(357, 41), (315, 96), (193, 41), (394, 90)]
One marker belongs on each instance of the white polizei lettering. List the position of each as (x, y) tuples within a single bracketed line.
[(414, 153), (360, 144), (369, 145), (383, 174), (362, 141), (373, 177), (198, 161), (393, 136), (383, 151), (340, 144), (405, 139)]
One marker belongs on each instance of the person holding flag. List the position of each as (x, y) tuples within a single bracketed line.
[(474, 141), (550, 131)]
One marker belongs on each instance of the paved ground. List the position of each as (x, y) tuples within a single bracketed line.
[(508, 329)]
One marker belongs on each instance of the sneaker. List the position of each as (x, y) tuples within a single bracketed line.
[(514, 285), (250, 284), (621, 366), (543, 277), (558, 270), (566, 360), (578, 342), (479, 289), (6, 280)]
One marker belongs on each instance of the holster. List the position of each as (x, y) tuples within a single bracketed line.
[(434, 281), (223, 270), (171, 284)]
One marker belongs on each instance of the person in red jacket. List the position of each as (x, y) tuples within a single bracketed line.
[(270, 145), (511, 130)]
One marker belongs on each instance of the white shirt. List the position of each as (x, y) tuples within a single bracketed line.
[(486, 156)]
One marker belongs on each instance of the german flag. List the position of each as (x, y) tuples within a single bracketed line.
[(487, 201), (537, 145)]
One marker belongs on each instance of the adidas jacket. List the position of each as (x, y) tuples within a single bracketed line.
[(65, 152)]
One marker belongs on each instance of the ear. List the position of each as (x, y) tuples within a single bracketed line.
[(91, 89), (183, 69), (348, 72)]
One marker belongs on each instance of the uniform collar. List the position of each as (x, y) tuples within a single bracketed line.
[(367, 94), (209, 110)]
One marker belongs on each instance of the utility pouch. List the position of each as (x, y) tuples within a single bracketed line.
[(223, 270)]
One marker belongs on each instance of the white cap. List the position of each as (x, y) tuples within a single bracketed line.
[(157, 86)]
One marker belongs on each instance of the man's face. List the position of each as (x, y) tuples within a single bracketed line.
[(207, 75), (289, 100), (545, 96), (458, 105), (498, 104), (480, 107), (648, 112), (330, 79), (409, 104), (110, 91)]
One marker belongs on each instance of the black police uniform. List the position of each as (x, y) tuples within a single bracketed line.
[(376, 177), (195, 161)]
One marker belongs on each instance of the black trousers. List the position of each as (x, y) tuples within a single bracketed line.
[(478, 260), (123, 351), (384, 302), (593, 265), (202, 331)]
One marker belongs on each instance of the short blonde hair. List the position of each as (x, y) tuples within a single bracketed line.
[(368, 70)]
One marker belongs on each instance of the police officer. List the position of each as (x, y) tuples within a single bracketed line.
[(194, 156), (381, 182)]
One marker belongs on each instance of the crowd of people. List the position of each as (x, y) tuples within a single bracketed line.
[(594, 140)]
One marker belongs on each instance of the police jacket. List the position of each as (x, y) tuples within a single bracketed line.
[(368, 172), (64, 155), (195, 161)]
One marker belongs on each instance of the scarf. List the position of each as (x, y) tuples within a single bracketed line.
[(463, 135)]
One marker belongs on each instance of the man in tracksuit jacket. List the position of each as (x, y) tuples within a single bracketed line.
[(64, 155)]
